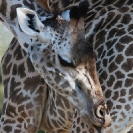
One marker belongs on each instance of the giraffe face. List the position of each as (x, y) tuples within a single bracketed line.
[(60, 53)]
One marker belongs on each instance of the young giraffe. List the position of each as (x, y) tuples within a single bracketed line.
[(35, 107), (109, 29)]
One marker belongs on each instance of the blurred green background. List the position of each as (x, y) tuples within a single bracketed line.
[(5, 39)]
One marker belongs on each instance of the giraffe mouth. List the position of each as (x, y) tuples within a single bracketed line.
[(99, 129)]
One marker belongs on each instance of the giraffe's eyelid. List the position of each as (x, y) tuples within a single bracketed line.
[(67, 62)]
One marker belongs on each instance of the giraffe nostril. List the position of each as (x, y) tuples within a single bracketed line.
[(101, 112)]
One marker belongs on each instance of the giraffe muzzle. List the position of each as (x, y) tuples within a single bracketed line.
[(102, 114)]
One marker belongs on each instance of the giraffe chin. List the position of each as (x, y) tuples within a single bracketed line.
[(91, 127), (97, 121), (99, 129)]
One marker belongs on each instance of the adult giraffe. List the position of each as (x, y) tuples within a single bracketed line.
[(109, 29), (28, 101)]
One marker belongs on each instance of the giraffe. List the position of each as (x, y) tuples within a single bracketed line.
[(30, 102), (108, 26)]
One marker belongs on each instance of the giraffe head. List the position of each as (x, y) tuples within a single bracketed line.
[(59, 52)]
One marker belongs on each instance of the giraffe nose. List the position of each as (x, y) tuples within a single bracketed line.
[(102, 113)]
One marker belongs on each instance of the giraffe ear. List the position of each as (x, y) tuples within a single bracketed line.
[(29, 21), (32, 26)]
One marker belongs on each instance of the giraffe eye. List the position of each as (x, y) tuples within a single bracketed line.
[(66, 62)]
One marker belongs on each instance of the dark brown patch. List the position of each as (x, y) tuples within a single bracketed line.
[(119, 59), (4, 108), (18, 53), (127, 66), (110, 16), (130, 27), (119, 75), (14, 94), (78, 130), (11, 111), (104, 75), (110, 104), (120, 3), (113, 21), (105, 62), (130, 94), (126, 39), (21, 108), (9, 122), (6, 81), (112, 67), (126, 19), (65, 85), (114, 118), (116, 95), (30, 5), (108, 93), (13, 13), (13, 43), (21, 70), (122, 100), (118, 85), (123, 115), (31, 113), (122, 92), (19, 98), (82, 124), (19, 126), (38, 99), (129, 50), (128, 82), (100, 49), (123, 9), (119, 47), (14, 85), (17, 131), (78, 120), (100, 38), (8, 129), (23, 114), (20, 120), (6, 68), (57, 79), (110, 52), (121, 32), (112, 33), (118, 106), (14, 71), (110, 43), (3, 7), (30, 66), (32, 83), (110, 81), (127, 107)]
